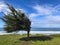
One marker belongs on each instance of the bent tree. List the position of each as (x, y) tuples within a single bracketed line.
[(16, 21)]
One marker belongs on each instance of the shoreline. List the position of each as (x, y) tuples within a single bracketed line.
[(31, 32)]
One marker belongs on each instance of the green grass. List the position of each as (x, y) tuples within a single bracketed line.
[(15, 39)]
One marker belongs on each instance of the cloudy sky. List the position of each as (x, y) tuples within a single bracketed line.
[(42, 13)]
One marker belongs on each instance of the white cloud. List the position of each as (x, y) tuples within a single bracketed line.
[(3, 7), (42, 9), (51, 19)]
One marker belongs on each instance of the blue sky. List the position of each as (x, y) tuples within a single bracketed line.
[(42, 13)]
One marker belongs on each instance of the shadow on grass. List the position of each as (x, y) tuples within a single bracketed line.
[(36, 38)]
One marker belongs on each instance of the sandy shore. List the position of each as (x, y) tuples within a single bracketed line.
[(32, 32)]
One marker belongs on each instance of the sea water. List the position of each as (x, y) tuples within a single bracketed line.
[(46, 31)]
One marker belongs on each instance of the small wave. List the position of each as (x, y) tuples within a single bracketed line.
[(31, 32)]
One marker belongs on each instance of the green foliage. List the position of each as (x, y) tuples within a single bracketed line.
[(16, 20)]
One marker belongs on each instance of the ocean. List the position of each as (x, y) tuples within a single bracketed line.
[(40, 29), (46, 31), (1, 29)]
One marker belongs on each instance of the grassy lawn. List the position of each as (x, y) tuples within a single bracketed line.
[(16, 39)]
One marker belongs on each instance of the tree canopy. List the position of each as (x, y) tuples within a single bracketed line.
[(16, 20)]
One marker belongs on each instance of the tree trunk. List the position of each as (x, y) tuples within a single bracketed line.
[(28, 33)]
